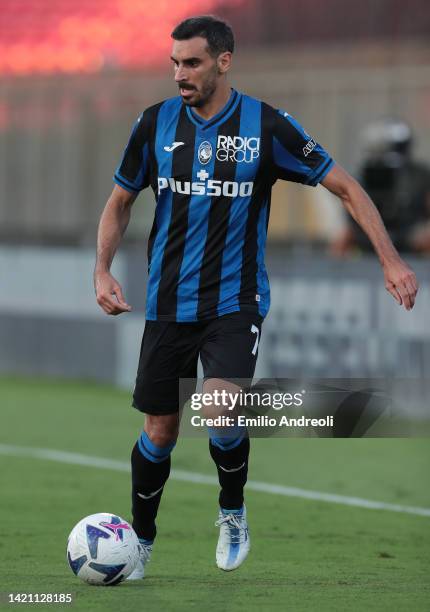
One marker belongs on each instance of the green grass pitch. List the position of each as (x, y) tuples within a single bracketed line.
[(305, 555)]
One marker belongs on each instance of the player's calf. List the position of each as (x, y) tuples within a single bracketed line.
[(150, 469)]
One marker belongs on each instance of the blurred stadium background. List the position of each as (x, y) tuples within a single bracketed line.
[(73, 78)]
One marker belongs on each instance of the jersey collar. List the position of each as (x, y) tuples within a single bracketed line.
[(220, 117)]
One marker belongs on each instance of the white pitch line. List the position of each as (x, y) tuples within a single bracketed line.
[(253, 485)]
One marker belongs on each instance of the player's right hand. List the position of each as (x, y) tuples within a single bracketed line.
[(109, 294)]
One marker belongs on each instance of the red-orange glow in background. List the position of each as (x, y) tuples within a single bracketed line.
[(51, 36)]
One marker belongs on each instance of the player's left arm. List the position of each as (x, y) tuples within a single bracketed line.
[(400, 280)]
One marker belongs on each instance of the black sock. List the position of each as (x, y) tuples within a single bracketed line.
[(149, 474), (232, 466)]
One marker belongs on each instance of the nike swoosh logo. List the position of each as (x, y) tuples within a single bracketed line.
[(153, 494), (233, 469), (173, 146)]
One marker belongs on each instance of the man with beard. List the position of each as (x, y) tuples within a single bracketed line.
[(211, 156)]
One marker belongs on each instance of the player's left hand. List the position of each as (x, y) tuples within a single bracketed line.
[(401, 282)]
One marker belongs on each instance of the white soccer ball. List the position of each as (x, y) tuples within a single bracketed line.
[(102, 549)]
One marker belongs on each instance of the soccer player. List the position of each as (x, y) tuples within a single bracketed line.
[(211, 155)]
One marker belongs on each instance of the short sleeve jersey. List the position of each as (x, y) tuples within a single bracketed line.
[(212, 183)]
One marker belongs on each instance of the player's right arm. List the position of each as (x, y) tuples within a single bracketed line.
[(113, 223), (131, 176)]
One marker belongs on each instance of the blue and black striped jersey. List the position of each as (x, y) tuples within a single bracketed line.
[(212, 182)]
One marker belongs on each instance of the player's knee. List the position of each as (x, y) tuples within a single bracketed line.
[(224, 394), (162, 430)]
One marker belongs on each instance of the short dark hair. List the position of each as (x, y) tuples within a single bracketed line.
[(218, 33)]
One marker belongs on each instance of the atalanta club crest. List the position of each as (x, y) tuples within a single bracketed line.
[(205, 152)]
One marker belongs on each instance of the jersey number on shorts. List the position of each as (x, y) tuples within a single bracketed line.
[(255, 330)]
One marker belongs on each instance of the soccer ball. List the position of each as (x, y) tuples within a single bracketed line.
[(102, 549)]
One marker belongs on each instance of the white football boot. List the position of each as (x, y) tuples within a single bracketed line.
[(233, 543), (145, 550)]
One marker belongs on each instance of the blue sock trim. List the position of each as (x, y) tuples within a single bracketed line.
[(234, 511), (229, 442), (147, 542), (156, 450), (151, 451)]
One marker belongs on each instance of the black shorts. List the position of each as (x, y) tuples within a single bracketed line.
[(228, 348)]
